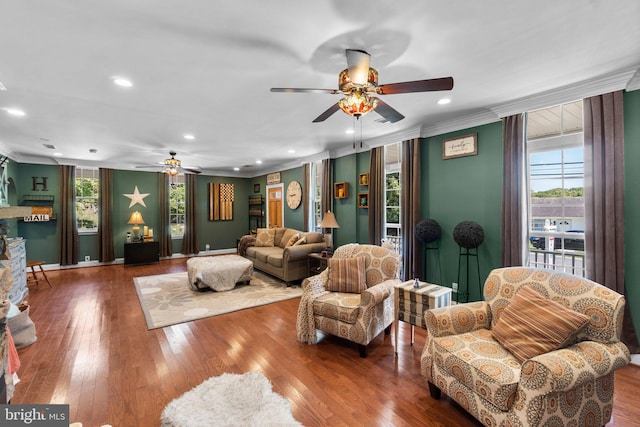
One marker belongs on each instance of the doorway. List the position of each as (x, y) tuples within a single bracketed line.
[(275, 208)]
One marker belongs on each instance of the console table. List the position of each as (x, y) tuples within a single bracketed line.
[(139, 253), (411, 303)]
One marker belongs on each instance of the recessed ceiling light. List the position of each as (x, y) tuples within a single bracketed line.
[(93, 150), (121, 81), (291, 151), (259, 162), (236, 169), (57, 154), (14, 112), (50, 146), (444, 101), (349, 131), (188, 136)]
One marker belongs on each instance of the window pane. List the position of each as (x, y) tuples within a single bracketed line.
[(87, 188), (556, 183)]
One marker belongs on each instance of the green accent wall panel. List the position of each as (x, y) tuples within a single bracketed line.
[(221, 234), (363, 165), (42, 237), (632, 203), (345, 170), (293, 218), (464, 189)]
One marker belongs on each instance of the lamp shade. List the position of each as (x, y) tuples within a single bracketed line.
[(329, 221), (136, 218)]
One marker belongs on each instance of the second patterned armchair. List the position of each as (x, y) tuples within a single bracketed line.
[(352, 298), (540, 350)]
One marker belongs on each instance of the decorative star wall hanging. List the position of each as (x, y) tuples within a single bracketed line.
[(136, 197)]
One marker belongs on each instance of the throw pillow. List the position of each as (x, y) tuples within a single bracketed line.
[(346, 275), (300, 241), (286, 236), (264, 237), (292, 240), (532, 325)]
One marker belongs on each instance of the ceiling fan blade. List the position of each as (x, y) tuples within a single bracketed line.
[(430, 85), (302, 90), (191, 170), (388, 112), (358, 64), (324, 116)]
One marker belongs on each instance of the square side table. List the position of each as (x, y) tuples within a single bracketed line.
[(411, 303)]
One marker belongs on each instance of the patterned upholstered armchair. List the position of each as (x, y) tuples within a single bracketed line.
[(517, 359), (352, 303)]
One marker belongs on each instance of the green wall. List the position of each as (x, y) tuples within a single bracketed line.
[(464, 189), (632, 203), (42, 237)]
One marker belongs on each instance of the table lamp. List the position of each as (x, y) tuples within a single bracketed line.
[(136, 220), (329, 221)]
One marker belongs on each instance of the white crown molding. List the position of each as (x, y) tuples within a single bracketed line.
[(634, 83), (581, 90), (464, 122)]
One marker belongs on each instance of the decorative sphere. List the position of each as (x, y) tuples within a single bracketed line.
[(428, 230), (468, 234)]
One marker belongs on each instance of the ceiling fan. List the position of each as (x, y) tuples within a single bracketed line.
[(173, 166), (359, 82)]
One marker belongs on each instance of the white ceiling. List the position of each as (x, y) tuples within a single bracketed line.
[(205, 68)]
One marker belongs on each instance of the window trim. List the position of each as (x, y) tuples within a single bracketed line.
[(96, 172)]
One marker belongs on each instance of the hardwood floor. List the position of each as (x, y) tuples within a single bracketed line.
[(95, 353)]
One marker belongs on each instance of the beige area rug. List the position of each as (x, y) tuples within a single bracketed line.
[(230, 400), (166, 299)]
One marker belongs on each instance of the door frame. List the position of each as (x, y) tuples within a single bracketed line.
[(281, 187)]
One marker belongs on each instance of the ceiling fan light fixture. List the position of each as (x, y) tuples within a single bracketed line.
[(172, 166), (357, 103)]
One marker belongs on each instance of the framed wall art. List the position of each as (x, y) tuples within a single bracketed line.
[(461, 146)]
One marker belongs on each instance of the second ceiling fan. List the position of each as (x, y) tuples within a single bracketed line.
[(359, 82)]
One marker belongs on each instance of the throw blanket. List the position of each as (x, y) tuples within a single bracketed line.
[(245, 242), (312, 288)]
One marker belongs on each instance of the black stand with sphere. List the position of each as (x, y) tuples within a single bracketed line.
[(468, 235), (428, 232)]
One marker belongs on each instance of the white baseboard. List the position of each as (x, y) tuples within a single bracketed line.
[(95, 263)]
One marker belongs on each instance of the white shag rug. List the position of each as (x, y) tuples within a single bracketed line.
[(230, 400)]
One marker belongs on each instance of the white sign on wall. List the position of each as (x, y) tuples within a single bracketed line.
[(36, 218)]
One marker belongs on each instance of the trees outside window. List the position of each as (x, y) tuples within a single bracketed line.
[(177, 206), (87, 188), (555, 147)]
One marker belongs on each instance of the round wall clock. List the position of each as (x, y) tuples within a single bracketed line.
[(294, 194)]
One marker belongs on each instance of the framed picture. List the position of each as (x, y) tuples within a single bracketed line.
[(256, 188), (363, 200), (460, 146), (273, 178), (364, 179)]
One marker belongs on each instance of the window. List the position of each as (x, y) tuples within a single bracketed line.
[(393, 226), (555, 147), (87, 189), (316, 196), (177, 206)]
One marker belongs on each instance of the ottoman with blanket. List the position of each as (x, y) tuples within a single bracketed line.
[(220, 273)]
